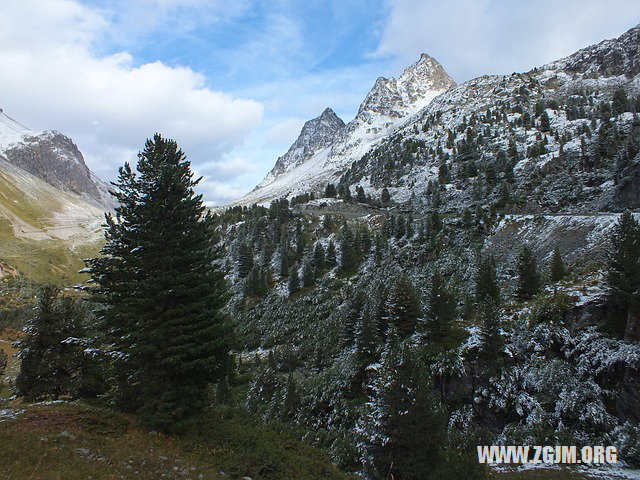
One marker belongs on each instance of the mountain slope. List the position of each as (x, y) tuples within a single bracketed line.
[(44, 232), (387, 104), (51, 205), (558, 138), (544, 159), (315, 135)]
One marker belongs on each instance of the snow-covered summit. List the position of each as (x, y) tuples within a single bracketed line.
[(315, 135), (326, 146), (413, 90), (52, 157)]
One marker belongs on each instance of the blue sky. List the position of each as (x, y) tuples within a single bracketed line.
[(234, 80)]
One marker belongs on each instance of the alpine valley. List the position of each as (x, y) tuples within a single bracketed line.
[(458, 265)]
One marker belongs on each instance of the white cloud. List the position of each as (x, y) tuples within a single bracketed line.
[(53, 79), (475, 37)]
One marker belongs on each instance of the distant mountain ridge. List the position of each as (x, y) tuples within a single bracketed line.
[(387, 104), (424, 105), (315, 135)]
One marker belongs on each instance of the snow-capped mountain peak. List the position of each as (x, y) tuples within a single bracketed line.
[(413, 90), (315, 135), (52, 157), (326, 146)]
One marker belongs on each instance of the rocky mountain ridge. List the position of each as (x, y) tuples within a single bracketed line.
[(560, 137), (387, 104), (315, 135), (52, 157)]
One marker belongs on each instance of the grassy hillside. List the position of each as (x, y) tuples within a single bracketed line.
[(78, 441), (44, 232)]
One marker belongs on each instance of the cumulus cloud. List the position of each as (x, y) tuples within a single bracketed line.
[(475, 37), (53, 79)]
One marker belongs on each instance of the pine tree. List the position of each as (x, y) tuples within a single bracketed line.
[(367, 339), (441, 313), (528, 276), (319, 257), (330, 258), (3, 365), (404, 428), (623, 274), (404, 306), (349, 255), (330, 191), (620, 102), (360, 196), (352, 313), (294, 280), (161, 291), (379, 248), (290, 400), (308, 273), (365, 242), (409, 227), (385, 198), (436, 221), (492, 343), (52, 352), (285, 260), (301, 241), (487, 287), (545, 123), (245, 260), (400, 227), (556, 267)]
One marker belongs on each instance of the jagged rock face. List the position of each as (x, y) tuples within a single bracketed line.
[(326, 146), (417, 85), (52, 157), (609, 58), (314, 136)]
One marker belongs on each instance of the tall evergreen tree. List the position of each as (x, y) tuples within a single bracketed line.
[(487, 286), (285, 258), (319, 257), (294, 280), (330, 191), (620, 102), (528, 276), (245, 259), (367, 339), (330, 258), (3, 365), (492, 343), (404, 306), (545, 124), (162, 293), (353, 308), (441, 313), (52, 352), (308, 273), (385, 197), (404, 428), (623, 274), (360, 195), (557, 270), (379, 248), (349, 255)]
